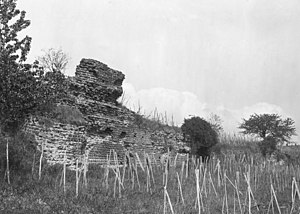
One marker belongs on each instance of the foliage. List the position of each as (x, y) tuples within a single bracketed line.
[(68, 114), (16, 97), (267, 146), (12, 50), (269, 125), (10, 45), (138, 120), (53, 87), (24, 89), (200, 135), (14, 85), (215, 122), (54, 60), (21, 143), (152, 124)]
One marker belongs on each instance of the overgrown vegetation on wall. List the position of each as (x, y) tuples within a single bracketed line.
[(25, 89)]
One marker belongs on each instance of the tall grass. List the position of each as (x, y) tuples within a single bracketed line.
[(231, 183)]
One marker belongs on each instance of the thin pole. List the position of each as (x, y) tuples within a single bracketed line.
[(77, 178), (41, 158), (64, 175), (7, 163)]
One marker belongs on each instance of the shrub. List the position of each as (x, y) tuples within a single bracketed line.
[(21, 149), (68, 114), (200, 135), (268, 146)]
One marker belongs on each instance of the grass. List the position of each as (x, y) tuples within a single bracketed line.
[(223, 188)]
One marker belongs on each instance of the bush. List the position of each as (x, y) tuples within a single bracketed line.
[(68, 114), (21, 150), (199, 134), (268, 146)]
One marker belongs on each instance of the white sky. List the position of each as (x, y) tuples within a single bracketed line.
[(230, 57)]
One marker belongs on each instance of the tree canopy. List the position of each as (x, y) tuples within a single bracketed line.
[(215, 122), (200, 135), (269, 125), (54, 60), (12, 48), (24, 89)]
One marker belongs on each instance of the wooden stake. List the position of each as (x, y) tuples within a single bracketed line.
[(115, 186), (233, 202), (85, 169), (7, 162), (124, 169), (238, 195), (198, 190), (165, 200), (77, 178), (33, 166), (211, 181), (225, 187), (41, 158), (204, 183), (175, 160), (187, 166), (182, 170), (169, 200), (65, 159), (180, 189), (273, 191), (139, 160), (151, 170), (137, 177)]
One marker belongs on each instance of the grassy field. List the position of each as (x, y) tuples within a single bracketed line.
[(231, 183)]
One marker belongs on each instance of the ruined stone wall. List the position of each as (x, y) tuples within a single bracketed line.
[(109, 126)]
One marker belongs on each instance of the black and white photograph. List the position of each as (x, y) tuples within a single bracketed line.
[(150, 106)]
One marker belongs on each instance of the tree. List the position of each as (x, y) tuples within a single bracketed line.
[(12, 52), (10, 45), (24, 89), (200, 135), (267, 146), (54, 60), (215, 122), (269, 125)]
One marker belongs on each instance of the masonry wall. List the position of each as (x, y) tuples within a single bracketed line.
[(109, 126)]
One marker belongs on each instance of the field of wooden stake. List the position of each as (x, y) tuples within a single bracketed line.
[(181, 184), (225, 184)]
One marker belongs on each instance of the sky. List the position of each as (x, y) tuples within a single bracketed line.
[(232, 58)]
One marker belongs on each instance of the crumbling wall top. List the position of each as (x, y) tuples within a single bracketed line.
[(95, 70), (96, 81)]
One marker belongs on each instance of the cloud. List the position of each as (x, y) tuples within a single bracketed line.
[(176, 104), (233, 117), (180, 105)]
